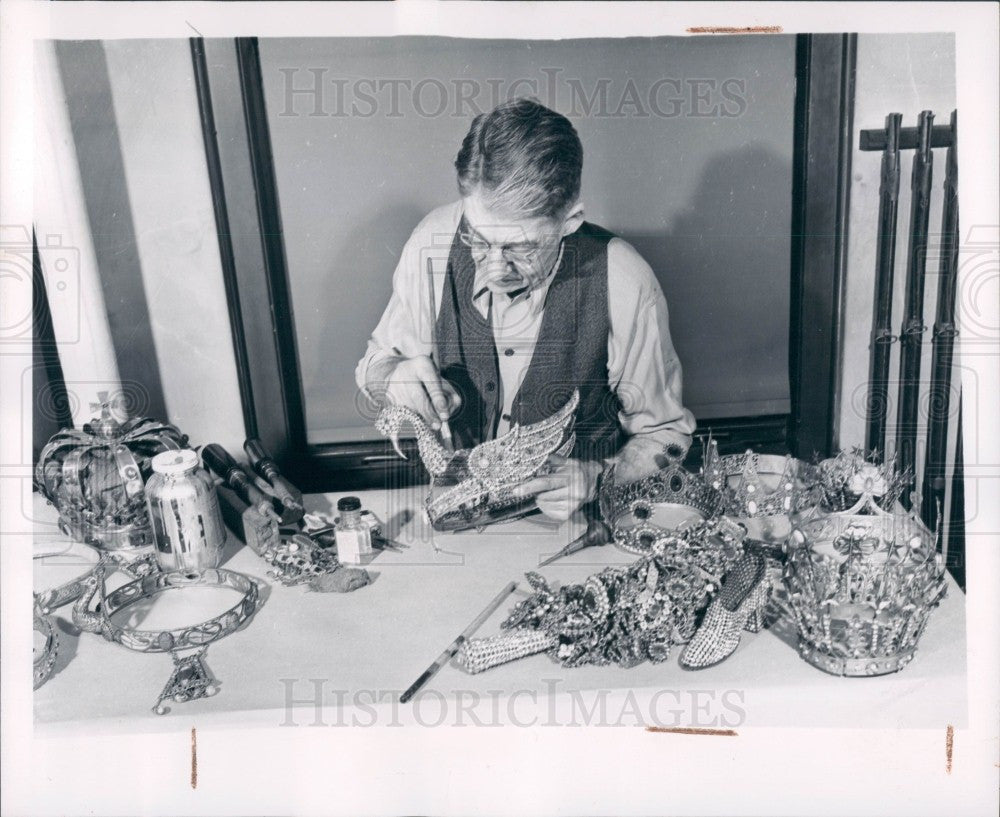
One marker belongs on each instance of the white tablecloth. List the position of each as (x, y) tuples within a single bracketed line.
[(355, 652)]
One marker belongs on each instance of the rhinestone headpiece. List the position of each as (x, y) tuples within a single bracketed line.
[(476, 484), (672, 484), (745, 495), (860, 587)]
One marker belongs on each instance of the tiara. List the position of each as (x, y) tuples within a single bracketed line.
[(672, 484), (745, 495), (850, 476), (865, 523), (860, 587)]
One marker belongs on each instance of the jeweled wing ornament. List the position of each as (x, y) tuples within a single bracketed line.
[(473, 487)]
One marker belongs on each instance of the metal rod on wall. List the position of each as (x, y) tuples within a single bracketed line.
[(223, 230), (911, 336), (882, 337), (943, 342)]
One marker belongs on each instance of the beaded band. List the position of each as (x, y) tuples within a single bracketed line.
[(45, 661), (56, 597), (181, 638)]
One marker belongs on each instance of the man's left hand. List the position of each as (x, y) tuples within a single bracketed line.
[(570, 485)]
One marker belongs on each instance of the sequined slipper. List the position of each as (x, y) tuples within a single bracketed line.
[(740, 604)]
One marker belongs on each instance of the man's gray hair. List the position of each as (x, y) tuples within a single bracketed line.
[(524, 158)]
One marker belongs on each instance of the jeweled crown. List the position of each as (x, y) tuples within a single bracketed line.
[(860, 587), (96, 476), (671, 484), (740, 479)]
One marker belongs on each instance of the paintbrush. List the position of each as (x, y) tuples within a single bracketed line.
[(453, 648), (435, 356)]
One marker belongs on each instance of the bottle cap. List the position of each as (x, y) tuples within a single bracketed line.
[(349, 503), (172, 463)]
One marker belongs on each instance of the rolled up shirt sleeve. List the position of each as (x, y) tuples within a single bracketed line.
[(643, 366)]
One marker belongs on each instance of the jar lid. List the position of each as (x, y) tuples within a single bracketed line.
[(172, 463), (349, 503)]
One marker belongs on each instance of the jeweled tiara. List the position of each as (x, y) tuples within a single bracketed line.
[(739, 478), (860, 587), (671, 484)]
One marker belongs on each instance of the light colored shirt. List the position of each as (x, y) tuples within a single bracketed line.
[(643, 368)]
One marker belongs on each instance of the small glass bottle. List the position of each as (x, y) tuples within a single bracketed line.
[(184, 511), (353, 535)]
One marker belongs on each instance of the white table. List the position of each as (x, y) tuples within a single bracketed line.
[(349, 655)]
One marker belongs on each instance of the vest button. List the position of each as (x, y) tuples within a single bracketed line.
[(508, 352), (490, 385), (505, 417)]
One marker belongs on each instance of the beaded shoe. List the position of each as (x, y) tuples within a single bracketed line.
[(739, 605)]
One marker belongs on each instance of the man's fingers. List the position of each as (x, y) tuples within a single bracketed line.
[(433, 385), (540, 485)]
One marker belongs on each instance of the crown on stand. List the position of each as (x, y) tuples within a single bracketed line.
[(860, 587), (96, 476), (743, 481), (846, 479), (672, 484)]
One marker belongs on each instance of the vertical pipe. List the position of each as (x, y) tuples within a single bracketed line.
[(882, 337), (66, 250), (213, 161), (913, 321), (943, 342)]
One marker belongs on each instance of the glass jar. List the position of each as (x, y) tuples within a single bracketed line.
[(184, 511), (353, 534)]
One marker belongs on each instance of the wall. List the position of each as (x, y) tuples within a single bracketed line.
[(897, 73), (705, 198), (134, 116)]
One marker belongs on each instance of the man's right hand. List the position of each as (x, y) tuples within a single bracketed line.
[(416, 383)]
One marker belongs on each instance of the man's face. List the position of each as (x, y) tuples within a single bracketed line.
[(511, 252)]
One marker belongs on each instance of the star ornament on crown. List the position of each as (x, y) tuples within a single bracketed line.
[(860, 587), (477, 484)]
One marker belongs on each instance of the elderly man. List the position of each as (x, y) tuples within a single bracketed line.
[(533, 302)]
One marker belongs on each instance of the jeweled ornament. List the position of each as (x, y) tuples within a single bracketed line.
[(861, 586), (96, 477), (190, 679), (474, 487)]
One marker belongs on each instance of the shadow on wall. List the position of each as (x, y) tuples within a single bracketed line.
[(726, 243), (378, 235), (84, 73)]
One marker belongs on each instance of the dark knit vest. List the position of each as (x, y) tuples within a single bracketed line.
[(571, 351)]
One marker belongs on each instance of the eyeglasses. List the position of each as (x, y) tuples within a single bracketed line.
[(520, 255)]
